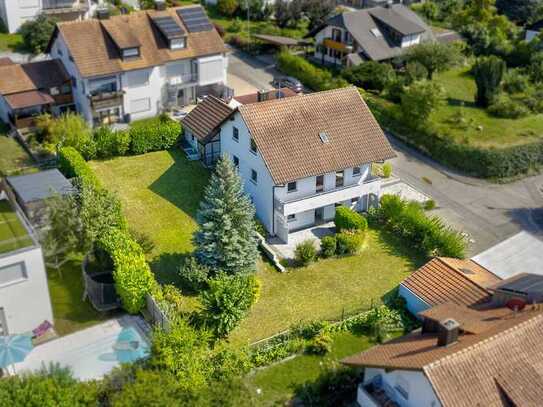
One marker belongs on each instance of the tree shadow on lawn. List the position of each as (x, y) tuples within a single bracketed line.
[(183, 183), (461, 102), (397, 247), (166, 266)]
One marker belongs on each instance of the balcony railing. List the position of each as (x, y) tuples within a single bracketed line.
[(59, 6), (106, 99), (330, 197), (182, 79), (337, 45)]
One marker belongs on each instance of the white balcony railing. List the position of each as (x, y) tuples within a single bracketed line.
[(318, 200), (182, 79)]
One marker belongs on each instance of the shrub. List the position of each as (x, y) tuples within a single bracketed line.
[(143, 239), (131, 273), (266, 355), (516, 82), (321, 344), (110, 143), (348, 219), (227, 7), (328, 246), (349, 242), (419, 100), (415, 71), (305, 252), (157, 133), (316, 78), (370, 75), (507, 108), (236, 26), (71, 130), (392, 207), (72, 164), (429, 204), (37, 32), (387, 170), (309, 330), (334, 387), (193, 275), (489, 73)]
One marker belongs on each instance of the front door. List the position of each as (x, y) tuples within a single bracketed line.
[(319, 215)]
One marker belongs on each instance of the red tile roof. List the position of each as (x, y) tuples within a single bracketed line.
[(206, 117), (271, 95)]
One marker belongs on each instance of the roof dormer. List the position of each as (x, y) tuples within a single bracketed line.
[(171, 30)]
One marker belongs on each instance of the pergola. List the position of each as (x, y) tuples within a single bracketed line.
[(279, 41)]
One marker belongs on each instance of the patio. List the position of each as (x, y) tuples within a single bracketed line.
[(317, 232)]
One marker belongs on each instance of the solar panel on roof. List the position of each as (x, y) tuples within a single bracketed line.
[(195, 19), (169, 27)]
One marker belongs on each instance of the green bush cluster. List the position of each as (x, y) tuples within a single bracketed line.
[(131, 273), (275, 352), (321, 344), (316, 78), (193, 275), (111, 143), (428, 234), (328, 246), (72, 164), (305, 252), (349, 242), (157, 133), (348, 219)]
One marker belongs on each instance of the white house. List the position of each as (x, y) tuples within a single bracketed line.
[(460, 358), (24, 294), (300, 157), (534, 30), (14, 13), (130, 67), (376, 34)]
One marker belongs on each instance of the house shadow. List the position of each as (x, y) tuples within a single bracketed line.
[(529, 219)]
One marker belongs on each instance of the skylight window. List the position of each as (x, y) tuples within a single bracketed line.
[(324, 137), (375, 31)]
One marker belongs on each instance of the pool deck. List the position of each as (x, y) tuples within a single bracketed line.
[(83, 351)]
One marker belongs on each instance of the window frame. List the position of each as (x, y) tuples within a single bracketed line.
[(342, 178), (291, 218), (19, 280), (357, 171), (251, 145), (291, 190), (235, 160), (254, 176), (235, 134)]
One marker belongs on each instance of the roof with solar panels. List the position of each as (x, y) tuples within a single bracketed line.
[(153, 37)]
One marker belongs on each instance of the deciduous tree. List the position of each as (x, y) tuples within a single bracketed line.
[(434, 56)]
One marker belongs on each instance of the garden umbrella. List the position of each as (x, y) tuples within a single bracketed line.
[(14, 349), (130, 346)]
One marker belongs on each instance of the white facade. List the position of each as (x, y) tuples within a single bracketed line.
[(15, 13), (283, 208), (24, 294), (329, 55), (407, 388), (413, 302), (145, 92)]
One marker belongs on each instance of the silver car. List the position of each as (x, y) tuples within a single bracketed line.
[(288, 82)]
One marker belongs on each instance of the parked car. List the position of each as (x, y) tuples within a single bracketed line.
[(288, 82)]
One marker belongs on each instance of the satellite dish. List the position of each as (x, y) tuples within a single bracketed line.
[(516, 304)]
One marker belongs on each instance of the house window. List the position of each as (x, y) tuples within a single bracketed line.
[(235, 134), (177, 43), (236, 161), (356, 171), (337, 204), (355, 200), (340, 179), (131, 52), (291, 218), (254, 176), (253, 146), (319, 183), (292, 186), (140, 105), (336, 34), (12, 273)]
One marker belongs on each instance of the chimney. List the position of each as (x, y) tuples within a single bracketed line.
[(447, 333), (102, 13), (160, 5), (261, 95)]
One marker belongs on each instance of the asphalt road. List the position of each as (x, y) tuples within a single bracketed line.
[(259, 72)]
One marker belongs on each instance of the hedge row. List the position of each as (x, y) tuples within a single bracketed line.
[(348, 219), (157, 133), (72, 164), (480, 162), (131, 273), (311, 76)]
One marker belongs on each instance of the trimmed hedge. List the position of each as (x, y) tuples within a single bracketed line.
[(348, 219), (72, 164), (111, 143), (349, 242), (480, 162), (131, 273), (157, 133)]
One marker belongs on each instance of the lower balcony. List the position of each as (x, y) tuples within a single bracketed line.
[(104, 100), (53, 7), (322, 199)]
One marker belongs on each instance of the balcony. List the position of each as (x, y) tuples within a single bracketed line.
[(104, 100), (65, 6), (338, 46), (177, 80), (318, 200)]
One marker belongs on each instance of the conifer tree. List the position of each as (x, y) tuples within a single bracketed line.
[(226, 240)]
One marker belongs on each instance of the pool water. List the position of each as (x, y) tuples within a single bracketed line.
[(93, 352)]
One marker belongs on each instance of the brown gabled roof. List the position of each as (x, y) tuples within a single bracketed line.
[(287, 133), (507, 366), (271, 95), (442, 280), (95, 53), (206, 117), (15, 78), (28, 99)]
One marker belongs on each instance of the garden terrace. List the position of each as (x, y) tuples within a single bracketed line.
[(160, 193), (13, 233)]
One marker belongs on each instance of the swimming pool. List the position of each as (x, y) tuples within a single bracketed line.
[(92, 352)]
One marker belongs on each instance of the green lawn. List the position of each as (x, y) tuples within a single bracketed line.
[(278, 383), (10, 42), (66, 291), (13, 235), (160, 193), (13, 157), (496, 132)]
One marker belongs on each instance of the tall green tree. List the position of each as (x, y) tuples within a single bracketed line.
[(419, 100), (489, 73), (226, 239), (37, 33), (434, 56), (521, 11)]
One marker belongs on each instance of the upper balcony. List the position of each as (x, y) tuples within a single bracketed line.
[(320, 199), (65, 6), (104, 100), (175, 81), (337, 45)]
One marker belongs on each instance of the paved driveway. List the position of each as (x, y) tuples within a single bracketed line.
[(488, 212), (258, 72)]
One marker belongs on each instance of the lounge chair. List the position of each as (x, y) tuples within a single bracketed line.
[(41, 329)]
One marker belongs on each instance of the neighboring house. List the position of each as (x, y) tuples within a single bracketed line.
[(31, 89), (460, 358), (202, 128), (374, 34), (24, 295), (301, 157), (134, 66), (443, 279), (32, 191), (262, 96), (15, 13), (534, 30)]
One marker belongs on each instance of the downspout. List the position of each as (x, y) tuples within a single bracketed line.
[(273, 210)]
